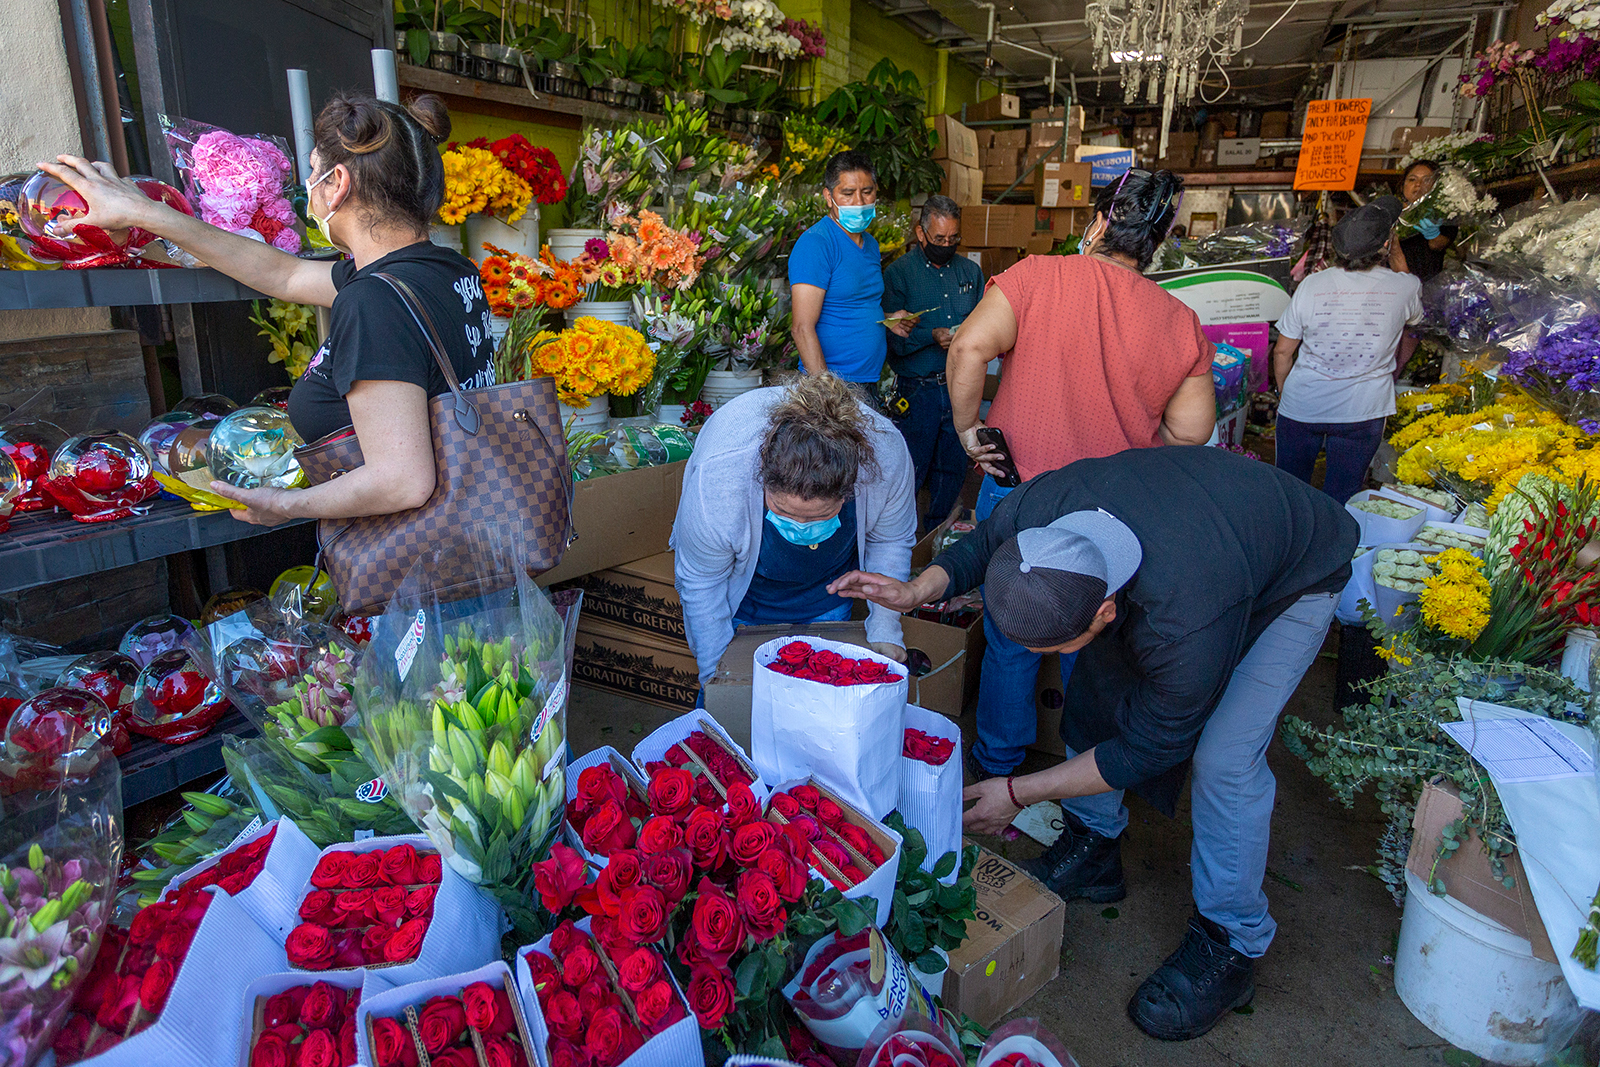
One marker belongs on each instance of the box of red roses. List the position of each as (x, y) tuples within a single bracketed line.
[(458, 1020), (698, 743), (832, 710), (390, 905), (857, 855), (612, 793), (226, 951), (272, 895), (591, 1009), (931, 785), (293, 1020)]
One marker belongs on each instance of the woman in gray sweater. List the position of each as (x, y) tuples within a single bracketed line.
[(789, 488)]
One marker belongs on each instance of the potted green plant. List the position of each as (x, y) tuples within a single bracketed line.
[(555, 51), (884, 116), (718, 79), (435, 31)]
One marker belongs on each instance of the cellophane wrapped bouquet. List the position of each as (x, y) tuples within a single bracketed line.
[(1452, 199), (240, 183), (60, 847), (462, 709)]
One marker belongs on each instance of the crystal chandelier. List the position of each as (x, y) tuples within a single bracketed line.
[(1161, 45)]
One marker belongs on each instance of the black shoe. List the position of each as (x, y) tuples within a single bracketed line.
[(1081, 864), (1196, 986), (975, 771)]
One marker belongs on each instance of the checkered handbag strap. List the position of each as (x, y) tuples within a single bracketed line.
[(466, 414)]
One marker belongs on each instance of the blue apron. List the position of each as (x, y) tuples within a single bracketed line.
[(790, 584)]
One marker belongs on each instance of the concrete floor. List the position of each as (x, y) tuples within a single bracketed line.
[(1325, 994)]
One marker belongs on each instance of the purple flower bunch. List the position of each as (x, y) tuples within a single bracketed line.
[(52, 914), (1564, 53), (1561, 370), (1455, 302)]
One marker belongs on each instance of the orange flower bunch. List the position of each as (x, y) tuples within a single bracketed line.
[(512, 282), (654, 252), (591, 358)]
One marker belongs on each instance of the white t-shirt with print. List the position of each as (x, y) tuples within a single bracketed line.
[(1349, 325)]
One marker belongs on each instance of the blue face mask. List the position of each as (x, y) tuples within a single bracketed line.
[(855, 218), (804, 533)]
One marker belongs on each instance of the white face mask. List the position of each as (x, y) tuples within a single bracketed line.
[(321, 223)]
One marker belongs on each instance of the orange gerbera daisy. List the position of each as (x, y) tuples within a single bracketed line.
[(580, 346), (495, 294), (522, 297), (651, 228), (494, 270)]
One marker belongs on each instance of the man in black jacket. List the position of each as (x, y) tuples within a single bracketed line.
[(1198, 586)]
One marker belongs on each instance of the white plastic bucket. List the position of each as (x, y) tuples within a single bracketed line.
[(567, 244), (445, 236), (671, 414), (1475, 983), (723, 385), (595, 417), (1578, 654), (610, 310), (521, 237), (498, 328)]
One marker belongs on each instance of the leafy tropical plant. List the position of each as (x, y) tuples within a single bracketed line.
[(549, 42), (884, 115), (652, 62), (719, 75)]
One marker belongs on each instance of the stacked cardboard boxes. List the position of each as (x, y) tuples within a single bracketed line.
[(957, 152)]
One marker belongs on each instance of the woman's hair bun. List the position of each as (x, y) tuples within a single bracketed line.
[(431, 115)]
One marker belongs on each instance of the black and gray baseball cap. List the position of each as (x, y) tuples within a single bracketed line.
[(1044, 585), (1363, 231)]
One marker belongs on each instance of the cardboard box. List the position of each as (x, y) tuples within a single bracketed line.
[(1002, 106), (962, 183), (985, 140), (1000, 175), (637, 596), (1013, 947), (1238, 152), (996, 226), (1406, 136), (1062, 185), (1064, 222), (1000, 165), (955, 141), (1010, 138), (993, 260), (1046, 134), (1176, 159), (1274, 125), (620, 518), (1108, 164), (1039, 244), (1072, 116), (1466, 873), (633, 664)]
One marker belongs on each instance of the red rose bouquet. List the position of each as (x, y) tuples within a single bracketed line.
[(1024, 1043), (608, 802), (931, 785), (461, 1021), (366, 909), (912, 1041), (705, 752), (840, 840), (925, 748), (127, 986), (310, 1025), (800, 660), (596, 1008)]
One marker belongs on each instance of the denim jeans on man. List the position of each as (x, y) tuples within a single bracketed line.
[(936, 452), (1008, 717), (1232, 787), (1350, 447)]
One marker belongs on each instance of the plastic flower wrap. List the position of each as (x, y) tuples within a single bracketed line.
[(1452, 198), (591, 358), (462, 708), (100, 476), (30, 443), (1560, 368), (111, 677), (253, 448), (46, 208), (175, 700), (152, 636), (1456, 304), (10, 489), (60, 846), (476, 182), (240, 183)]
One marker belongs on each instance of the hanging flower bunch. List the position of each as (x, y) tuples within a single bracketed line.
[(591, 358), (647, 250), (759, 40), (534, 164), (1500, 60), (475, 182), (812, 43)]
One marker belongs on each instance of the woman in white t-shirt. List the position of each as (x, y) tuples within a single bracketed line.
[(1347, 325)]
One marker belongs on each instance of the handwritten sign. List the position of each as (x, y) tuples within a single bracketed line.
[(1330, 148)]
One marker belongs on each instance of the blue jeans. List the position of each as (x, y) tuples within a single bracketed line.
[(936, 452), (838, 614), (1350, 447), (1008, 716), (1232, 787)]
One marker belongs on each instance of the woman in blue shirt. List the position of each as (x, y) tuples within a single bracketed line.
[(836, 279)]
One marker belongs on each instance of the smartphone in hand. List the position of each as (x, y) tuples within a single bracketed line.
[(1009, 478)]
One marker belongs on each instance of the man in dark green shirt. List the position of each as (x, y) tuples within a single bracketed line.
[(932, 276), (1196, 587)]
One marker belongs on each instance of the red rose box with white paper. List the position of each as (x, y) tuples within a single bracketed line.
[(931, 785), (295, 1020), (698, 743), (272, 896), (611, 793), (458, 1020), (832, 711), (857, 855), (637, 1016), (390, 905)]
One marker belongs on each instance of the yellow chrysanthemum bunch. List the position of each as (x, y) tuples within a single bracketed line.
[(591, 358), (1455, 601), (476, 182), (1486, 456)]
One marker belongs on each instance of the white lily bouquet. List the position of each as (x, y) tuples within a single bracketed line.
[(1453, 197)]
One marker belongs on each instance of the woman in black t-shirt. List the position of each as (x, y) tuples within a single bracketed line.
[(376, 182)]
